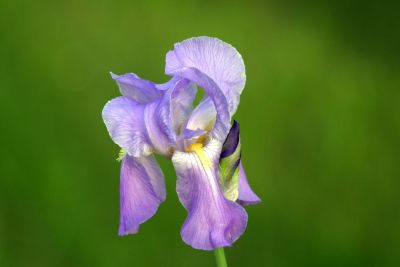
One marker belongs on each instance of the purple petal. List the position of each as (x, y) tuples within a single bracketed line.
[(202, 116), (140, 90), (182, 98), (222, 124), (213, 221), (188, 137), (174, 108), (137, 128), (142, 190), (216, 59), (246, 195)]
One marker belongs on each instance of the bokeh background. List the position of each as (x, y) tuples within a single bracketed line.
[(320, 120)]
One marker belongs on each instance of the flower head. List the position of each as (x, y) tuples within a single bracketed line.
[(203, 146)]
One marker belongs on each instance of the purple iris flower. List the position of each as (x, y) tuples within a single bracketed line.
[(204, 148)]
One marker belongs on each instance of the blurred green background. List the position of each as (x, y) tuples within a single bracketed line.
[(320, 120)]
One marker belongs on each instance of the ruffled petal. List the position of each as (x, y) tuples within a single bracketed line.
[(140, 90), (142, 189), (216, 59), (213, 221), (246, 195), (137, 128), (124, 119)]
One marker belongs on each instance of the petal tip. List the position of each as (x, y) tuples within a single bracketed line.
[(129, 231), (254, 201)]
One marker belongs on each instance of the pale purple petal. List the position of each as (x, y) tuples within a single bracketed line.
[(216, 59), (172, 110), (202, 116), (182, 98), (246, 195), (137, 128), (157, 121), (188, 137), (213, 221), (142, 189), (124, 119), (140, 90), (222, 124)]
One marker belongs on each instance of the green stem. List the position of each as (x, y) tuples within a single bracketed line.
[(220, 257)]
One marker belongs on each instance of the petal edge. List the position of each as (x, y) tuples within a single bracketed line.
[(142, 189)]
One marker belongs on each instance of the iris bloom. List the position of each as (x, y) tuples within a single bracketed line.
[(203, 146)]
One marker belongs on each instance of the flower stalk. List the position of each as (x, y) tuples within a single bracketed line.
[(220, 257)]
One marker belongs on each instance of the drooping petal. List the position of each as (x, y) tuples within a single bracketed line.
[(213, 221), (246, 195), (218, 60), (137, 128), (142, 189), (140, 90)]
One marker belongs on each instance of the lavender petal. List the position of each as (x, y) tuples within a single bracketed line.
[(142, 189), (138, 129), (246, 195), (218, 60), (140, 90), (213, 221)]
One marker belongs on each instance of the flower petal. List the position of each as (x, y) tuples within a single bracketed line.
[(140, 90), (222, 124), (213, 221), (218, 60), (182, 98), (202, 116), (124, 119), (246, 195), (188, 137), (142, 189), (137, 128)]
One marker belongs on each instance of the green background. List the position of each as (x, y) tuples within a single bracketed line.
[(320, 121)]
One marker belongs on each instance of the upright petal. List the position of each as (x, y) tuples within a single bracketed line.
[(222, 123), (203, 116), (173, 108), (142, 190), (140, 90), (246, 195), (213, 221), (216, 59), (182, 98)]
